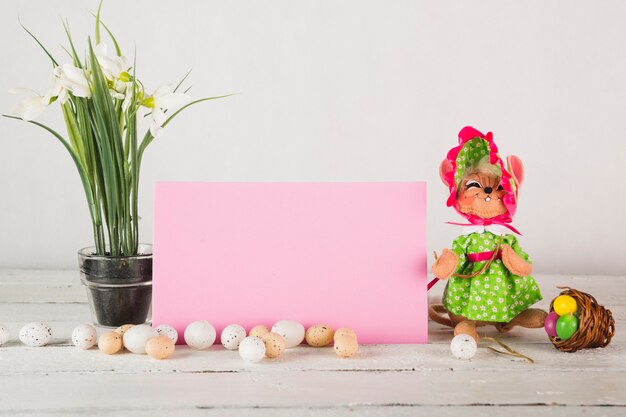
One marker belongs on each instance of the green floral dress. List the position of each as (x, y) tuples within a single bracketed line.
[(496, 295)]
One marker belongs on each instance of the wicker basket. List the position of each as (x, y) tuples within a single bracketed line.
[(596, 324)]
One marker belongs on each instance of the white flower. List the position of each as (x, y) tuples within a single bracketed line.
[(73, 79), (115, 68), (29, 108), (58, 91), (164, 98)]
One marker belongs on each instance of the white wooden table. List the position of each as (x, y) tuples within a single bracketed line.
[(414, 380)]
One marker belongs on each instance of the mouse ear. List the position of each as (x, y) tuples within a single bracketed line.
[(444, 168), (516, 168)]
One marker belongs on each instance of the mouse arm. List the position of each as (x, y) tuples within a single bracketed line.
[(516, 260), (445, 264)]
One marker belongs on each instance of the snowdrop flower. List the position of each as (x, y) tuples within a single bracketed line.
[(31, 107), (164, 98), (58, 92), (115, 70), (73, 79)]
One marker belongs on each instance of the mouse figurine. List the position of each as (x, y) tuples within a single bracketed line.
[(487, 272)]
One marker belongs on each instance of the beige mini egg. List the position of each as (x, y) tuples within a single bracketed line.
[(346, 346), (319, 335), (110, 343), (274, 344), (344, 331), (122, 329), (160, 347), (259, 331)]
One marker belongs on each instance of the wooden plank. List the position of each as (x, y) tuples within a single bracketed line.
[(397, 410), (18, 359), (23, 393)]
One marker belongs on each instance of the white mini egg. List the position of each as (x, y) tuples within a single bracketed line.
[(168, 331), (291, 330), (463, 346), (136, 337), (36, 334), (4, 335), (232, 335), (84, 336), (200, 334), (252, 349)]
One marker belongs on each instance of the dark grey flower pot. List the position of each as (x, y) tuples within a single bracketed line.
[(119, 289)]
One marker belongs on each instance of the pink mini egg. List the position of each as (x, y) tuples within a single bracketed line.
[(550, 323)]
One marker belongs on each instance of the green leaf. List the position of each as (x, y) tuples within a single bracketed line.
[(148, 138), (54, 62), (169, 119), (75, 57), (118, 51), (182, 81), (98, 23)]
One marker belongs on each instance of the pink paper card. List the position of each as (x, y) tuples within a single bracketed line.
[(344, 254)]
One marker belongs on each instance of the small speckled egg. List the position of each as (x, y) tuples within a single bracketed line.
[(232, 335), (274, 344), (4, 335), (259, 331), (110, 343), (346, 346), (84, 336), (319, 335), (123, 328), (160, 347), (252, 349), (344, 331), (291, 330), (136, 337), (463, 346), (167, 330), (200, 334), (36, 334)]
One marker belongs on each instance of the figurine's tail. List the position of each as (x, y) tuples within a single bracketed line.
[(438, 313)]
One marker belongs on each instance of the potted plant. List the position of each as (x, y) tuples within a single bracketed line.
[(103, 103)]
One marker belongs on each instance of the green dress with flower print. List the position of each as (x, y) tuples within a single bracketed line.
[(496, 295)]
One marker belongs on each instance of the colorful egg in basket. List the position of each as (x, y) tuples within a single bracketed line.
[(583, 323)]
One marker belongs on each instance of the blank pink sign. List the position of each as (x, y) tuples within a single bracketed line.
[(344, 254)]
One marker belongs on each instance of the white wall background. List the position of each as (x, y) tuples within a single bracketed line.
[(345, 90)]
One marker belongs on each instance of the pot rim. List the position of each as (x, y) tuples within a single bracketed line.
[(144, 249), (95, 284)]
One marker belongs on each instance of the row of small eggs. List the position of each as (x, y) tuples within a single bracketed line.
[(160, 342)]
